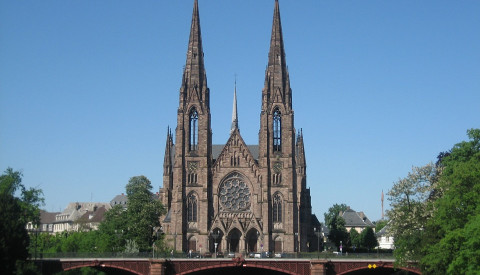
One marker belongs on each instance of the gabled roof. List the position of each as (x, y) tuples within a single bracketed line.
[(384, 231), (230, 142), (119, 200), (355, 219), (47, 217)]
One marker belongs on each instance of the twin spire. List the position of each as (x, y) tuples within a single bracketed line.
[(194, 75)]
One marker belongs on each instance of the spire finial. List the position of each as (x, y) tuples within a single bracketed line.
[(194, 70), (234, 109)]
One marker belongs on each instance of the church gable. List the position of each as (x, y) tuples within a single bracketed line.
[(236, 154)]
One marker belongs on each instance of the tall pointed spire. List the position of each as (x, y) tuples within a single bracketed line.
[(194, 75), (276, 77), (276, 56), (234, 110), (301, 162), (167, 161)]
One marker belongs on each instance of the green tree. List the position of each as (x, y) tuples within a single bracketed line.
[(379, 225), (410, 210), (355, 239), (453, 234), (336, 224), (368, 239), (112, 229), (435, 212), (15, 213), (136, 223)]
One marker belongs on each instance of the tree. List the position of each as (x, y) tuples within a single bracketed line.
[(453, 240), (136, 223), (143, 211), (379, 225), (336, 224), (410, 210), (15, 213), (368, 239), (355, 239), (435, 212)]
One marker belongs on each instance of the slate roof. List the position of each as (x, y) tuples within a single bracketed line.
[(94, 216), (356, 219), (47, 217), (384, 231), (119, 199)]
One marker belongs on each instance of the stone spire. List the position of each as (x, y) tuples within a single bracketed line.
[(194, 75), (167, 161), (276, 78), (301, 162), (234, 110)]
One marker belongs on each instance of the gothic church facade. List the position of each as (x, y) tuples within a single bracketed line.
[(236, 197)]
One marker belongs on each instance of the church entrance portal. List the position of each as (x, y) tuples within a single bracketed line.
[(234, 240), (215, 237), (252, 240)]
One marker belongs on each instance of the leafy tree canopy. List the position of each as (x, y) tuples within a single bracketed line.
[(15, 213), (435, 212), (336, 224)]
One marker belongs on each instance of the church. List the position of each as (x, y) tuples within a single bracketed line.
[(236, 197)]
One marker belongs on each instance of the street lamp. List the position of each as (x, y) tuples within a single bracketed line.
[(318, 233), (296, 242), (215, 235)]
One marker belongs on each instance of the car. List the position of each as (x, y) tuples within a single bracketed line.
[(219, 254), (193, 255), (207, 254), (251, 255), (231, 255)]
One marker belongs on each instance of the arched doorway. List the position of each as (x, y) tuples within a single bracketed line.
[(192, 244), (216, 236), (252, 240), (234, 240), (278, 245)]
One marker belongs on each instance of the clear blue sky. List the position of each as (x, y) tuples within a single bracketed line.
[(88, 88)]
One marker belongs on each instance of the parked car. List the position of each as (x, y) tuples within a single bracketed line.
[(219, 254), (231, 255), (251, 255), (193, 255), (207, 254)]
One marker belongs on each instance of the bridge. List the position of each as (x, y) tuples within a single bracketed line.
[(227, 266)]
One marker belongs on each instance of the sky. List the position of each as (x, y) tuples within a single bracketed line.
[(88, 88)]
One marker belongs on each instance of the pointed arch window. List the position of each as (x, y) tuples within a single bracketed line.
[(192, 208), (193, 130), (277, 131), (277, 208)]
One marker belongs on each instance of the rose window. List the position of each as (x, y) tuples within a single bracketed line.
[(234, 194)]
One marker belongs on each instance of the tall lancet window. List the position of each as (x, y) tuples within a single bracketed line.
[(277, 208), (193, 130), (192, 208), (277, 131)]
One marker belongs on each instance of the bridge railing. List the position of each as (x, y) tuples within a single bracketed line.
[(148, 255)]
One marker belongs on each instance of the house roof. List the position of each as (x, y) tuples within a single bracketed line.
[(119, 199), (94, 216), (384, 231), (47, 217), (356, 219)]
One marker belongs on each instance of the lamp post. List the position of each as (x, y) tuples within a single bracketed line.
[(215, 235), (318, 233), (296, 245)]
